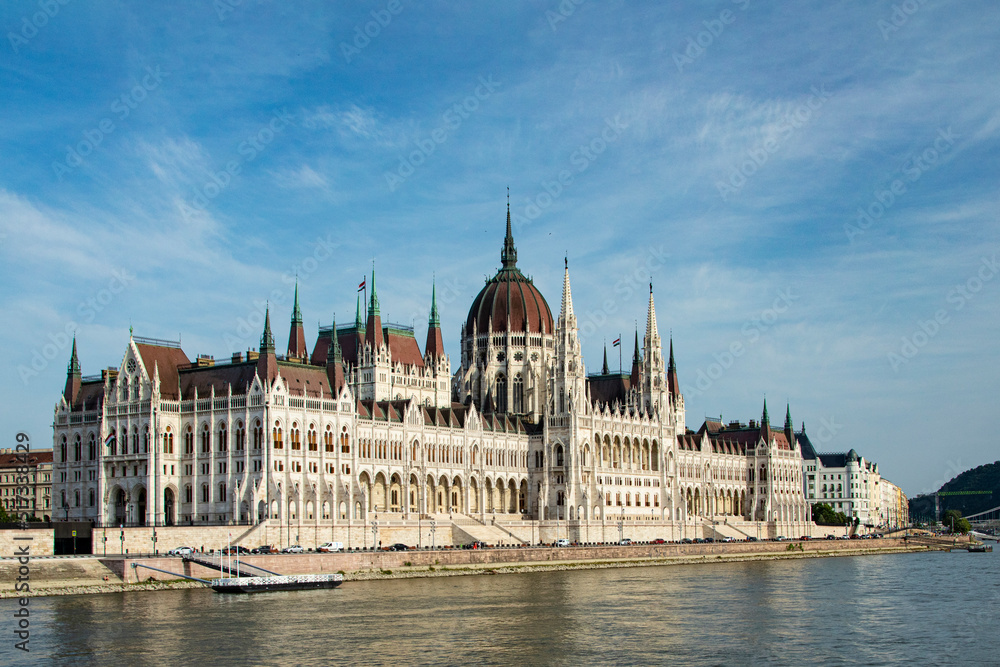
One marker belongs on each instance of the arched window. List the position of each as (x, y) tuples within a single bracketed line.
[(223, 440), (188, 441), (187, 494), (559, 455), (145, 440), (124, 387), (241, 436), (518, 394), (92, 448), (278, 442), (295, 436), (258, 435), (311, 439), (501, 395), (206, 439), (345, 441), (77, 449), (328, 439), (62, 450)]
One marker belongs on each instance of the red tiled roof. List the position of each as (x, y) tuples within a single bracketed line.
[(168, 360), (35, 457), (403, 348)]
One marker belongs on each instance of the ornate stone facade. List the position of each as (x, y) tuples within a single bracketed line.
[(369, 430)]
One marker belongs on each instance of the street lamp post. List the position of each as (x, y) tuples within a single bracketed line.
[(621, 527), (433, 529), (375, 529), (121, 527)]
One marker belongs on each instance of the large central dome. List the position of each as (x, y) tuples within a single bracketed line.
[(509, 299)]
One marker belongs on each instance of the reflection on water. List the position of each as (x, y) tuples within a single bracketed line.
[(923, 608)]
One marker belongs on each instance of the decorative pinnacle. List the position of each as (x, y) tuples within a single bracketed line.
[(333, 352)]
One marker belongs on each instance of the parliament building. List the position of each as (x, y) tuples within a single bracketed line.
[(368, 432)]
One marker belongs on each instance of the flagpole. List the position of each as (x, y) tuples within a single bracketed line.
[(620, 369)]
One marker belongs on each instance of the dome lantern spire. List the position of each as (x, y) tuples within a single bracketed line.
[(508, 256)]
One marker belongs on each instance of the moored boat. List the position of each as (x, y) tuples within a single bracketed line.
[(290, 582)]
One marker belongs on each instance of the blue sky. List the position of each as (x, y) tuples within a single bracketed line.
[(811, 187)]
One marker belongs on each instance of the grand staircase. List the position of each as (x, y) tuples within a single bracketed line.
[(466, 529)]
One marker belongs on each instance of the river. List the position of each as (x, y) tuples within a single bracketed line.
[(926, 608)]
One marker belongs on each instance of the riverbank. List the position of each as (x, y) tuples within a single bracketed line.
[(92, 575)]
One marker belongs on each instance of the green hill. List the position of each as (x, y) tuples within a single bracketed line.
[(984, 478)]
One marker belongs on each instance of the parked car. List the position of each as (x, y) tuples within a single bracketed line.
[(264, 549), (625, 542), (330, 547), (780, 538), (293, 549), (236, 549), (399, 546), (831, 537), (752, 539), (687, 540), (728, 539), (562, 542), (181, 551), (658, 540)]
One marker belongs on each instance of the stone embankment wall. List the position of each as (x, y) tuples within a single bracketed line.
[(402, 560), (40, 543)]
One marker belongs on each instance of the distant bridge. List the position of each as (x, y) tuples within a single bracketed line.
[(985, 518)]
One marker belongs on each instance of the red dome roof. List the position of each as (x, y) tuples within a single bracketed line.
[(509, 297)]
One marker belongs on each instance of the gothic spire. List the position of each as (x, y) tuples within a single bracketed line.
[(566, 316), (788, 417), (334, 351), (267, 339), (74, 362), (373, 308), (435, 343), (296, 333), (672, 383), (508, 256), (296, 311), (652, 333), (358, 322), (604, 368), (435, 318), (764, 419)]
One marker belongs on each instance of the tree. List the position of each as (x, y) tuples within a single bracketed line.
[(824, 515), (953, 519)]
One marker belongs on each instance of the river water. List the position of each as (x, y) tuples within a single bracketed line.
[(927, 608)]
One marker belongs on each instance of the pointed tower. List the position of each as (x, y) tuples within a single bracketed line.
[(634, 378), (267, 362), (672, 385), (73, 375), (653, 372), (569, 371), (335, 361), (789, 427), (359, 322), (765, 424), (296, 334), (604, 368), (435, 343), (373, 328)]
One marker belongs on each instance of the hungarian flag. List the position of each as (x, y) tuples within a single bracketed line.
[(617, 342), (362, 285), (110, 439)]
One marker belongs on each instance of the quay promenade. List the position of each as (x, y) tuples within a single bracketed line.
[(92, 574)]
